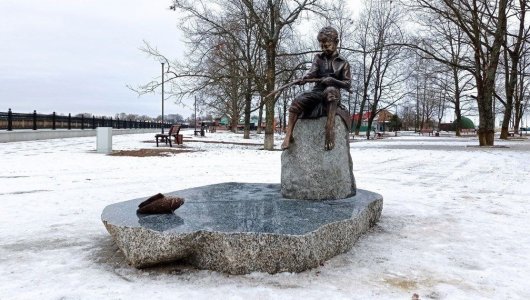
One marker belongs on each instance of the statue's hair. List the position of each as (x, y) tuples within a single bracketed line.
[(328, 32)]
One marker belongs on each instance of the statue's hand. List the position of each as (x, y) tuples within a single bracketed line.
[(328, 81)]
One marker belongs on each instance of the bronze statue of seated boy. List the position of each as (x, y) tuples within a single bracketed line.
[(324, 99)]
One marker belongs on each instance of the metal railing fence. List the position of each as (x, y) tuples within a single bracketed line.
[(12, 121)]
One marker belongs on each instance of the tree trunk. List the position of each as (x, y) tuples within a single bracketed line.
[(458, 120), (417, 121), (268, 143), (486, 116), (505, 128), (373, 110), (260, 118), (370, 122), (248, 100), (458, 112), (233, 124), (510, 82), (361, 111), (518, 117), (518, 105), (486, 130), (279, 118), (269, 125)]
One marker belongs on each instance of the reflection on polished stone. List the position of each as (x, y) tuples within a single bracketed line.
[(159, 222), (242, 227)]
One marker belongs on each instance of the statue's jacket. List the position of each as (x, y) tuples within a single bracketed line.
[(336, 67)]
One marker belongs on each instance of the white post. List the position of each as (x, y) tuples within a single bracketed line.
[(104, 140)]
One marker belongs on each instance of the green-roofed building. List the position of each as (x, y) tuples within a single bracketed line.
[(466, 123)]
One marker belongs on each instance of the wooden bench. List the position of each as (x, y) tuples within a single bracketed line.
[(173, 132), (426, 130)]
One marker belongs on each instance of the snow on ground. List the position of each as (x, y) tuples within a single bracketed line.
[(455, 220)]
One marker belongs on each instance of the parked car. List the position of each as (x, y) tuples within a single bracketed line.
[(524, 129)]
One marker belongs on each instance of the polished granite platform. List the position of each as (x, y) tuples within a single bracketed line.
[(239, 228)]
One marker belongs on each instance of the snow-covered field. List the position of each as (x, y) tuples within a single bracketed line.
[(455, 223)]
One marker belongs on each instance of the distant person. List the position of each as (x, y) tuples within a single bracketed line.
[(203, 127)]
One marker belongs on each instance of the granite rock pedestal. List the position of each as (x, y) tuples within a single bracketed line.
[(239, 228), (312, 173)]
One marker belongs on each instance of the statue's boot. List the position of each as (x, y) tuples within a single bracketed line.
[(160, 204)]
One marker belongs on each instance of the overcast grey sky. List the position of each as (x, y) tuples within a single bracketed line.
[(74, 56), (77, 56)]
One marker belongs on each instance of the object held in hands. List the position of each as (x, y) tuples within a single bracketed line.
[(160, 204)]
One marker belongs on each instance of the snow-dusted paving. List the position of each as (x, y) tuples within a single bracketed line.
[(455, 223)]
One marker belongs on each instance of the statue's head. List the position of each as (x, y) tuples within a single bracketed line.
[(328, 37)]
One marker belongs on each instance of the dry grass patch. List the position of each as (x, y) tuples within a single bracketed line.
[(150, 152)]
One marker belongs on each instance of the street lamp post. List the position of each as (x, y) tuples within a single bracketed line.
[(195, 124), (162, 97)]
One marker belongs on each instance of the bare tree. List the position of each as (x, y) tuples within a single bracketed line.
[(389, 84), (273, 18), (522, 95), (484, 25), (452, 87), (223, 51), (380, 58), (448, 41), (255, 29), (226, 96), (407, 111), (512, 53), (368, 56)]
